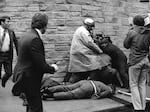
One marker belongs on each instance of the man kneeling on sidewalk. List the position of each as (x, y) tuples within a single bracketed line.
[(80, 90)]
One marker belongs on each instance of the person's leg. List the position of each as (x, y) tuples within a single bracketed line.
[(134, 73), (63, 95), (94, 75), (64, 88), (67, 77), (34, 102), (33, 95), (61, 91), (107, 75), (137, 77), (142, 88), (8, 71), (142, 82), (84, 91), (8, 68), (123, 74), (101, 75), (75, 77)]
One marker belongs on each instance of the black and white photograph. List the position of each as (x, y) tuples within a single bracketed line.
[(74, 56)]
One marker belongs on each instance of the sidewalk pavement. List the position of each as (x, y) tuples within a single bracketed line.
[(10, 103)]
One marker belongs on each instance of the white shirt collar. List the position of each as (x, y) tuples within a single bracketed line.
[(39, 32)]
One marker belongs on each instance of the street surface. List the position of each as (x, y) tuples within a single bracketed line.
[(10, 103)]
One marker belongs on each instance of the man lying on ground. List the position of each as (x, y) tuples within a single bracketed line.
[(79, 90)]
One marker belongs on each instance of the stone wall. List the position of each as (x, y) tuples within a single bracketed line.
[(65, 16)]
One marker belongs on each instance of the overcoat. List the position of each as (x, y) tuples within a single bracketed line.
[(82, 56)]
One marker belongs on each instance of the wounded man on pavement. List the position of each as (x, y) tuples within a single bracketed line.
[(79, 90)]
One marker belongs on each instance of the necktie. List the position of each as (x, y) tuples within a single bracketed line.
[(2, 39)]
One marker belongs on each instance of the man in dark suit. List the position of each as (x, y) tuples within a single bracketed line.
[(7, 38), (31, 63), (118, 58)]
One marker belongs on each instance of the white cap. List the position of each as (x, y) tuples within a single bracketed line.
[(89, 21), (147, 20)]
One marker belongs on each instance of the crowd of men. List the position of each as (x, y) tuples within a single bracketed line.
[(96, 65)]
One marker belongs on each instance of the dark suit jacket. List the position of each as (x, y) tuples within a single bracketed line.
[(13, 39), (31, 64), (117, 55)]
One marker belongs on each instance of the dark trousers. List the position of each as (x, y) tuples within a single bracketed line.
[(123, 72), (75, 77), (33, 95), (81, 89), (7, 64)]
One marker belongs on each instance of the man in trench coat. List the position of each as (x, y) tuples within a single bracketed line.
[(85, 55)]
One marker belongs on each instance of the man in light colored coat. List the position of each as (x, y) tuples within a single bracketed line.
[(85, 55)]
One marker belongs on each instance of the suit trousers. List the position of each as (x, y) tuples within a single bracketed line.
[(123, 72), (81, 89), (137, 80), (75, 77), (7, 64), (33, 95)]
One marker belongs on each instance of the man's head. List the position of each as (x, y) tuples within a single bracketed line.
[(40, 21), (89, 24), (138, 20), (4, 22)]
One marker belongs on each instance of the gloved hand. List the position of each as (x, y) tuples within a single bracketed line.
[(4, 80), (55, 66)]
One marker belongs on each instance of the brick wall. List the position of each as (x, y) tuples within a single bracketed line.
[(65, 16)]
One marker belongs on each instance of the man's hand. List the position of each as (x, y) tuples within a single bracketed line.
[(55, 66)]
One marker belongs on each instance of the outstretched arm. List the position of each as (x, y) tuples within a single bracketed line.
[(37, 53), (89, 42)]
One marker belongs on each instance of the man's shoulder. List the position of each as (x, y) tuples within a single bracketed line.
[(81, 30), (132, 33), (28, 37)]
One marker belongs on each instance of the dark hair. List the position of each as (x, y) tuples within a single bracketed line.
[(3, 18), (138, 20), (39, 21)]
